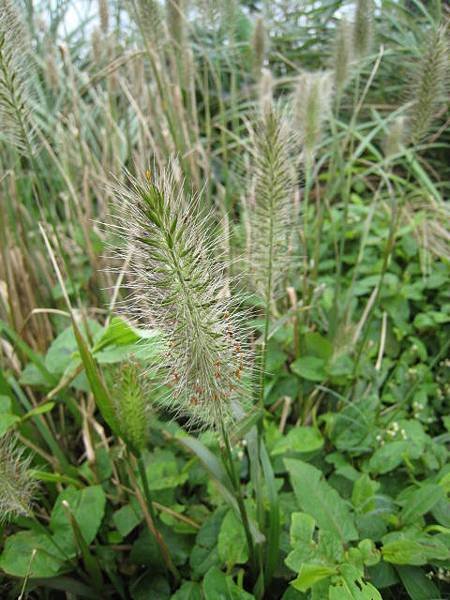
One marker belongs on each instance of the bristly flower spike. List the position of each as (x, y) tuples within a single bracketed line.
[(342, 56), (363, 28), (179, 288), (430, 84), (311, 106), (269, 204), (15, 107), (131, 407), (16, 486)]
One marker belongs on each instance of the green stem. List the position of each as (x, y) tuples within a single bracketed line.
[(231, 470), (159, 539)]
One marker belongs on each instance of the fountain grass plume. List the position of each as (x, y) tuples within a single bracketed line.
[(363, 28), (179, 286), (259, 47), (17, 488), (342, 55), (15, 106), (269, 203), (429, 89), (311, 107)]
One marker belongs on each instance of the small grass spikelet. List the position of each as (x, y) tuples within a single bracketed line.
[(270, 201), (16, 486), (131, 407), (363, 28), (430, 84), (15, 110), (311, 107), (179, 287)]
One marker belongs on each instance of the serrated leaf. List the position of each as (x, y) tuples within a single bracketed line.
[(317, 498)]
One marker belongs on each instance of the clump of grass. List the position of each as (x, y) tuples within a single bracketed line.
[(17, 488), (428, 90), (180, 287)]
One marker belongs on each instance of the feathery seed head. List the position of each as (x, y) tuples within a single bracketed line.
[(269, 204), (311, 105), (103, 12), (259, 43), (342, 56), (149, 17), (178, 287), (175, 21), (15, 110), (16, 486), (363, 27), (430, 85)]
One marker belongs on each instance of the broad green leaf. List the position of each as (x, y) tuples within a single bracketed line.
[(388, 457), (299, 439), (317, 498), (302, 528), (7, 420), (310, 367), (162, 470), (421, 501), (311, 574), (363, 494), (17, 558), (205, 553), (150, 585), (416, 552), (351, 586), (317, 345), (117, 333), (417, 584), (232, 545), (87, 506), (190, 590), (217, 585), (126, 519)]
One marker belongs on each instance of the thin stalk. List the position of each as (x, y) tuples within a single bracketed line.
[(227, 458), (150, 515)]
